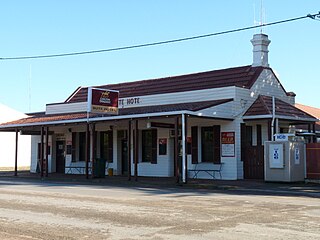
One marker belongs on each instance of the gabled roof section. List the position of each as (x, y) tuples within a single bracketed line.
[(43, 118), (243, 77), (263, 106)]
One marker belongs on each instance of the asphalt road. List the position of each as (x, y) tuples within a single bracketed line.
[(50, 210)]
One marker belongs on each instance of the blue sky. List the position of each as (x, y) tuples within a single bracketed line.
[(49, 27)]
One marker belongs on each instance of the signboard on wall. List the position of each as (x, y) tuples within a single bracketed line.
[(282, 136), (276, 156), (103, 101), (296, 156), (228, 144), (162, 146)]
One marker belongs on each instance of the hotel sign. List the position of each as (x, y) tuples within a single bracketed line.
[(103, 101), (228, 144)]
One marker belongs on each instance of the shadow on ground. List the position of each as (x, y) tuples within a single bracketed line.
[(160, 186)]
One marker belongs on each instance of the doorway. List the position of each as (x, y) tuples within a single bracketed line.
[(124, 156), (60, 157), (252, 156)]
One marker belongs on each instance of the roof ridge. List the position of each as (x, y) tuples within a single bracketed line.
[(178, 76), (241, 76), (264, 103)]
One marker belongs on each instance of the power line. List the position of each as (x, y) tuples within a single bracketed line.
[(312, 16)]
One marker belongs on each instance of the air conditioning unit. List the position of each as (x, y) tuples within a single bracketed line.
[(172, 133)]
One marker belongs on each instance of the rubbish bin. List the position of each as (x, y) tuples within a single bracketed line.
[(110, 172), (99, 170)]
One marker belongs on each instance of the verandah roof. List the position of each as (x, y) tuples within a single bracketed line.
[(262, 108), (124, 113)]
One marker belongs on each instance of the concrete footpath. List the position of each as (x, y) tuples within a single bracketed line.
[(256, 187)]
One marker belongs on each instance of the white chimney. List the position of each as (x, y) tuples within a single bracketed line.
[(260, 44)]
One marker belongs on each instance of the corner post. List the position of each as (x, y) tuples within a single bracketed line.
[(16, 155)]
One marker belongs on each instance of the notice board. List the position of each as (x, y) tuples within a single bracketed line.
[(228, 144)]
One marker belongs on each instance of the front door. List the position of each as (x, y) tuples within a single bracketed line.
[(254, 162), (252, 156), (124, 156), (60, 157)]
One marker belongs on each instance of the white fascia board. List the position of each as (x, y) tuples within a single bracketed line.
[(256, 117), (282, 117), (96, 119), (296, 118)]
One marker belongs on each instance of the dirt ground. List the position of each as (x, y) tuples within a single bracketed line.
[(40, 210)]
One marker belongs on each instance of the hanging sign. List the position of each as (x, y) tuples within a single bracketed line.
[(103, 101), (228, 144)]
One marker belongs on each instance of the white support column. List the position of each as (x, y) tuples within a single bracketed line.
[(277, 126), (183, 143)]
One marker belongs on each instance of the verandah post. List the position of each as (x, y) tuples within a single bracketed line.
[(87, 150), (176, 149), (184, 147), (129, 150), (47, 152), (16, 156), (41, 153), (93, 146), (136, 150)]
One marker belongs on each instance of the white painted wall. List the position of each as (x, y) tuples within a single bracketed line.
[(164, 166), (35, 140), (8, 139), (229, 168), (266, 84), (66, 107), (151, 100)]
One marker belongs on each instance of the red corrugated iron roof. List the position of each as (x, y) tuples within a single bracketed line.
[(243, 77), (263, 106), (311, 110), (46, 118)]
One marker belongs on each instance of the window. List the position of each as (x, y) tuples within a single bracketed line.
[(149, 146), (210, 144), (82, 146), (207, 144), (106, 145), (194, 144), (74, 147), (78, 147), (259, 135)]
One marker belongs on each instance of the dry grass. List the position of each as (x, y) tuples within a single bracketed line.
[(20, 168)]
